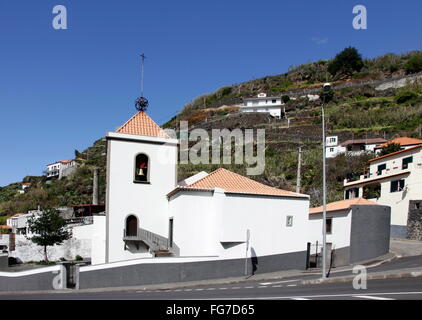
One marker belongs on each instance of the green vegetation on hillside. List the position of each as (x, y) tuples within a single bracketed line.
[(72, 190), (352, 112)]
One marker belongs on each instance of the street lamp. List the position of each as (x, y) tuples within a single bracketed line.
[(325, 90)]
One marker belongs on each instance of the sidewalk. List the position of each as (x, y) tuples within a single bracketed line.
[(406, 248)]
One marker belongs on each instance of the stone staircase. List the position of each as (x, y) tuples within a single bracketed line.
[(158, 245)]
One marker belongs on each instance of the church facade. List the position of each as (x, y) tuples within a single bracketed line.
[(219, 214)]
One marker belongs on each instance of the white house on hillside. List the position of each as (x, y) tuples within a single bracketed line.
[(61, 168), (353, 147), (394, 180), (262, 103)]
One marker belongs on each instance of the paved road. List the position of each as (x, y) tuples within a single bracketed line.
[(392, 289), (288, 288)]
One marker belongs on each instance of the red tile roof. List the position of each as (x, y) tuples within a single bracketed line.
[(141, 124), (341, 205), (394, 153), (235, 183), (403, 141), (363, 141)]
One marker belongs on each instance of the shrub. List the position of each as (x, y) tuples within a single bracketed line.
[(226, 91), (285, 98), (78, 258), (326, 95), (346, 62), (390, 148), (414, 64), (406, 96)]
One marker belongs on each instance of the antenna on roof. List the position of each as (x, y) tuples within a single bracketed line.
[(141, 103)]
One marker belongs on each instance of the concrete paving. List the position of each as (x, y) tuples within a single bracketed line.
[(406, 248)]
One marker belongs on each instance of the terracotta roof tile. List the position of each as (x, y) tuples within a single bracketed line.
[(341, 205), (397, 152), (403, 141), (235, 183), (141, 124), (363, 141)]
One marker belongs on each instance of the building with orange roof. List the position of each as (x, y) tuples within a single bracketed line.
[(404, 142), (220, 214), (394, 180), (357, 230)]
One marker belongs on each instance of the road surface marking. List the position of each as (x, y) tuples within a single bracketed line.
[(292, 285), (372, 298), (199, 289), (300, 298), (187, 290), (261, 287), (210, 289), (318, 296), (278, 282), (222, 288), (251, 287), (278, 286)]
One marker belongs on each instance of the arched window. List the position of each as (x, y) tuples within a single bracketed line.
[(141, 168), (131, 226)]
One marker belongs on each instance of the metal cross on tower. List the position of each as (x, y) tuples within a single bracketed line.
[(141, 103)]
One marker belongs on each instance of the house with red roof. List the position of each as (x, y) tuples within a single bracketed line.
[(356, 230), (62, 168), (394, 180), (219, 215)]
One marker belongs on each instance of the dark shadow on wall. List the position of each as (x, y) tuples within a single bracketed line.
[(254, 261)]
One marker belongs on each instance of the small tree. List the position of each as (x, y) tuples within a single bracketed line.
[(414, 64), (326, 94), (285, 98), (49, 229), (346, 62), (390, 148)]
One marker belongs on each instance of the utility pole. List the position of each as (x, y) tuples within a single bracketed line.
[(299, 164), (324, 189), (95, 188)]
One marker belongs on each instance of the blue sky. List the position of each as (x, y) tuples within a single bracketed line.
[(61, 90)]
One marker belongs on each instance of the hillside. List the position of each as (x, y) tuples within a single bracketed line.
[(363, 104)]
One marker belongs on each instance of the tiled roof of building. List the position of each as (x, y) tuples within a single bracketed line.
[(5, 227), (397, 152), (141, 124), (363, 141), (403, 141), (341, 205), (232, 182)]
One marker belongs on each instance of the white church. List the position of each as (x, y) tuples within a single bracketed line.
[(219, 214)]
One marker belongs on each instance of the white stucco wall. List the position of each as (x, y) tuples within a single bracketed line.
[(148, 202), (98, 240), (206, 224), (341, 229), (26, 250)]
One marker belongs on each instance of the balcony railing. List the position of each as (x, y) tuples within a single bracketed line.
[(385, 172)]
